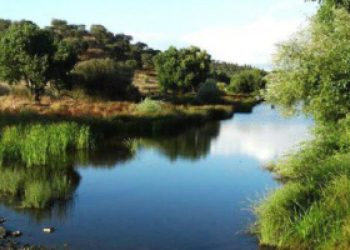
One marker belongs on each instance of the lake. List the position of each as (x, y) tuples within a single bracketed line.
[(190, 191)]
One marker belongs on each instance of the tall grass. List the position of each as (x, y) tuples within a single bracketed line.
[(312, 209), (39, 144)]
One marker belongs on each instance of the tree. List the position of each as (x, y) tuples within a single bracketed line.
[(337, 3), (312, 70), (182, 69), (248, 81), (35, 56)]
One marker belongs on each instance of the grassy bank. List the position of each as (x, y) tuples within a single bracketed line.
[(168, 116), (312, 209)]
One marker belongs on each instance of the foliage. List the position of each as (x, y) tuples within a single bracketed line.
[(150, 106), (41, 144), (98, 43), (311, 211), (103, 78), (248, 81), (208, 92), (223, 71), (312, 69), (182, 69), (35, 56)]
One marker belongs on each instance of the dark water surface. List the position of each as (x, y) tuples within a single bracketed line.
[(192, 191)]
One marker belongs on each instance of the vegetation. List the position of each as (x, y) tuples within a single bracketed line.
[(311, 211), (209, 92), (223, 71), (42, 144), (248, 81), (104, 78), (34, 55), (150, 106), (183, 69)]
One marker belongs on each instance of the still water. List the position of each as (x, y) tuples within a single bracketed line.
[(192, 191)]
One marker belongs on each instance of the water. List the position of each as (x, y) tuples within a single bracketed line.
[(192, 191)]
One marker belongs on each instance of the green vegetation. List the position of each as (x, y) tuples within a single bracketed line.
[(248, 81), (42, 144), (35, 56), (150, 106), (104, 78), (312, 209), (183, 69), (209, 92)]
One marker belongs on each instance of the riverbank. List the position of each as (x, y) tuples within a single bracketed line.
[(122, 118), (312, 209)]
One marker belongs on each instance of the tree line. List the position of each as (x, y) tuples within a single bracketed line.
[(67, 56)]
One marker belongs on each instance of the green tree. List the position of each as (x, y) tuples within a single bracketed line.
[(248, 81), (182, 69), (35, 56), (312, 70), (337, 3)]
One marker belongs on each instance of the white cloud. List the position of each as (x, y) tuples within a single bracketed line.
[(264, 141), (253, 42)]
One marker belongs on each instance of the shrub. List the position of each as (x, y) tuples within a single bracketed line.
[(104, 78), (247, 81), (150, 106), (208, 92)]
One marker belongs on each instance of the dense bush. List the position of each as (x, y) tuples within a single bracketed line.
[(182, 69), (247, 81), (208, 92), (104, 78)]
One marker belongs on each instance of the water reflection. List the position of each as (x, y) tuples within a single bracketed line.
[(41, 191), (137, 199), (193, 144), (264, 136)]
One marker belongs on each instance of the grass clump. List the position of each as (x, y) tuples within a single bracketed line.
[(149, 106), (38, 144), (312, 209)]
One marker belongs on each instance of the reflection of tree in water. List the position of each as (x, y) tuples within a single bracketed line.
[(192, 144)]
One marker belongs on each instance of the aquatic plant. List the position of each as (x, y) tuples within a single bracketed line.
[(38, 144)]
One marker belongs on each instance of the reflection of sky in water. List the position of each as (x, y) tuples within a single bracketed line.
[(264, 137)]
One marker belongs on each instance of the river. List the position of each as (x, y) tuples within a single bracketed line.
[(191, 191)]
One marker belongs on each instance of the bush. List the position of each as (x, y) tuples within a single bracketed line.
[(208, 92), (182, 69), (104, 78), (150, 106), (247, 81)]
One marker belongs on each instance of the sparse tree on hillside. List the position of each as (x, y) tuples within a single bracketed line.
[(35, 56)]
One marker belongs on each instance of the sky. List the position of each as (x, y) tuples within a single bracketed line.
[(238, 31)]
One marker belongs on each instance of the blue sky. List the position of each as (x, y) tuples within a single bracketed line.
[(232, 30)]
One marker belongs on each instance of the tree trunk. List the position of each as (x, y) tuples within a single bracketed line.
[(37, 95)]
